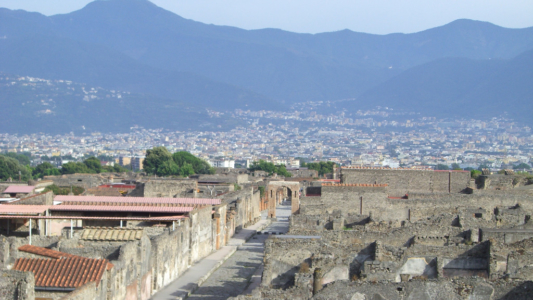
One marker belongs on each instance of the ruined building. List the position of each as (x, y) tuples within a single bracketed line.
[(405, 234)]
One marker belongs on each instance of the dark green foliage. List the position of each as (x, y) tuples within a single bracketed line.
[(456, 166), (45, 169), (10, 168), (442, 167), (322, 167), (93, 164), (270, 168), (475, 173), (22, 159), (261, 191), (115, 169), (159, 161), (236, 187), (89, 166), (522, 166), (75, 167), (199, 166), (76, 190)]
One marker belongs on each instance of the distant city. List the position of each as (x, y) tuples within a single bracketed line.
[(379, 137)]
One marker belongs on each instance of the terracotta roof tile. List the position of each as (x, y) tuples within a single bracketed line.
[(51, 253), (65, 272)]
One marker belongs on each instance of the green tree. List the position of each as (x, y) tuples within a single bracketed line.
[(75, 167), (10, 168), (199, 166), (93, 164), (45, 169), (167, 168), (155, 158), (76, 190), (187, 170), (522, 166), (270, 168), (475, 173), (21, 158), (322, 167), (442, 167)]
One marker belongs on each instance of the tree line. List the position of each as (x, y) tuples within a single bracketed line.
[(13, 164)]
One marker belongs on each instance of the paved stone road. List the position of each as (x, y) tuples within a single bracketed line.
[(234, 276)]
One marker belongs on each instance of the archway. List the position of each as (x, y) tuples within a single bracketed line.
[(278, 190)]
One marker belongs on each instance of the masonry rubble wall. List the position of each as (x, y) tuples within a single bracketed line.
[(46, 198), (405, 181), (16, 285), (166, 188), (201, 243), (80, 180)]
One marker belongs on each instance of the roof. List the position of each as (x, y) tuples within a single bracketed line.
[(205, 201), (65, 272), (111, 234), (19, 189), (23, 209), (51, 253), (149, 219), (147, 209), (45, 251)]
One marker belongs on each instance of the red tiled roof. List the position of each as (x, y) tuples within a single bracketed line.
[(16, 189), (52, 253), (65, 272), (23, 209), (147, 209), (45, 251), (139, 200)]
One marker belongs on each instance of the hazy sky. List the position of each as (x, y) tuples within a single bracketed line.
[(372, 16)]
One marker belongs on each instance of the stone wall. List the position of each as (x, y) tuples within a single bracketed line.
[(46, 198), (405, 181), (201, 233), (81, 180), (16, 285), (166, 188)]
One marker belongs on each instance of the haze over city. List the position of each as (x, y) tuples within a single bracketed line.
[(249, 150)]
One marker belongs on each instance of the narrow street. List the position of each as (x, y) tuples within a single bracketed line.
[(242, 271)]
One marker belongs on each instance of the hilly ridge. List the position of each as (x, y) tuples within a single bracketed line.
[(136, 46), (460, 86)]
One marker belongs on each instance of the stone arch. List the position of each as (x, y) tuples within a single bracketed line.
[(277, 190)]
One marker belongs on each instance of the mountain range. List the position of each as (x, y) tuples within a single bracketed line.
[(136, 46)]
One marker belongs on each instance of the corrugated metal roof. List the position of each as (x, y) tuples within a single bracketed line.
[(111, 234), (148, 209), (196, 201), (23, 209), (16, 189), (66, 272)]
